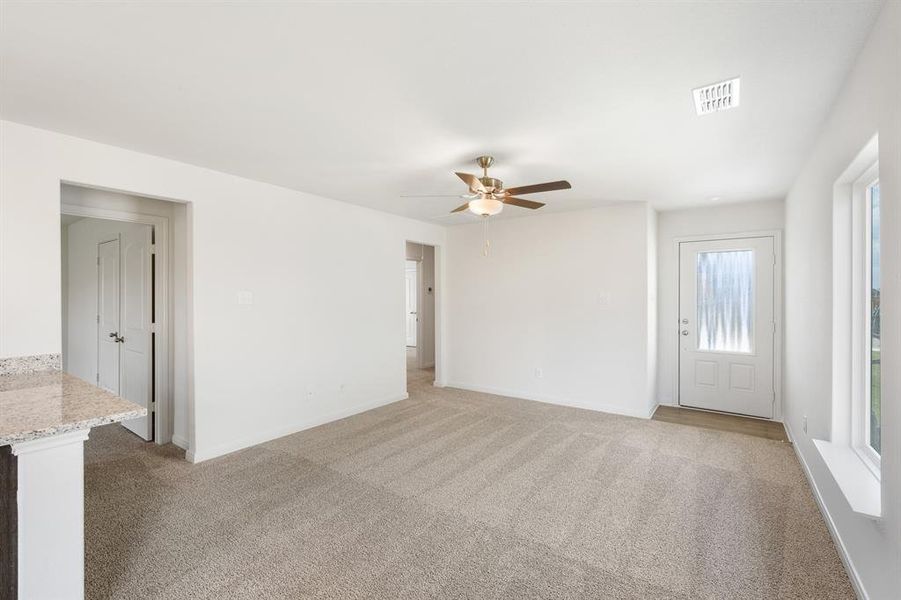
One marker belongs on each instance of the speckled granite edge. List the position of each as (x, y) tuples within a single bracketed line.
[(17, 365), (85, 424)]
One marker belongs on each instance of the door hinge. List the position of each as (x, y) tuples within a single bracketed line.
[(98, 319), (98, 261), (97, 379)]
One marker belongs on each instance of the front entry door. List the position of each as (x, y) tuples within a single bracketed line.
[(727, 325)]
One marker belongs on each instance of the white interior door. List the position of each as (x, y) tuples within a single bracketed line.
[(412, 302), (727, 325), (136, 326), (108, 296)]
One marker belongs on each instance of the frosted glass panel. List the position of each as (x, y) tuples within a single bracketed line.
[(725, 301)]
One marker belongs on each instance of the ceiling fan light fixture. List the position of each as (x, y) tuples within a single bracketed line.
[(485, 207)]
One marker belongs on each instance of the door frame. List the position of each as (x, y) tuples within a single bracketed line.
[(438, 293), (162, 397), (778, 299)]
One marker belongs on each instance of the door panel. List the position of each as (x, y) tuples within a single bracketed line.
[(412, 302), (136, 323), (108, 315), (727, 326)]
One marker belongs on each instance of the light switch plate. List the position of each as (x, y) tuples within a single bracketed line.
[(245, 297), (604, 299)]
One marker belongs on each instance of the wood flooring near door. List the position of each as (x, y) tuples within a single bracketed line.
[(456, 494), (770, 430)]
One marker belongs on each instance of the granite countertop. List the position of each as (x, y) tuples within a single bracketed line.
[(41, 404)]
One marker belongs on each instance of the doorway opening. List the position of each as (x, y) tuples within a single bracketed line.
[(419, 312), (123, 287)]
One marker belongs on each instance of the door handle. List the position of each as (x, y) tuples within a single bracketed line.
[(118, 340), (684, 332)]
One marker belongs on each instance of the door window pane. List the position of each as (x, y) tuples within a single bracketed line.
[(875, 408), (725, 301)]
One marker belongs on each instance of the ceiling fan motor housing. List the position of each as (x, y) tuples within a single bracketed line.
[(491, 184)]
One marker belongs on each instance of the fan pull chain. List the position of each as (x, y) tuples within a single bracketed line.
[(487, 242)]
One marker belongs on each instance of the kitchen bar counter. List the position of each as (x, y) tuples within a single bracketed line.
[(47, 403), (45, 417)]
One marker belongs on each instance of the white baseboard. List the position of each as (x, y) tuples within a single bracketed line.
[(259, 438), (853, 575), (180, 441), (605, 408)]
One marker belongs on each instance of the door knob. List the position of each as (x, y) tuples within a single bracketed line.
[(684, 332), (685, 321), (116, 337)]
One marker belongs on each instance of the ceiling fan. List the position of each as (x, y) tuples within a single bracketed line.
[(487, 195)]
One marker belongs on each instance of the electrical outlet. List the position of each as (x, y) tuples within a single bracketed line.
[(804, 423), (539, 373)]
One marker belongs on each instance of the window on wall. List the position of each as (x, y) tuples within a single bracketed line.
[(872, 420), (866, 417), (852, 451)]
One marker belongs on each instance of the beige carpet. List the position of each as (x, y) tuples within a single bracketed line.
[(453, 494)]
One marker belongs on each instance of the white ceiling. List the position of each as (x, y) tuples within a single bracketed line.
[(365, 102)]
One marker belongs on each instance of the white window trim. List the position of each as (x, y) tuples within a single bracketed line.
[(861, 225), (857, 478)]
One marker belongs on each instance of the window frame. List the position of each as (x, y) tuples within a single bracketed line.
[(861, 286)]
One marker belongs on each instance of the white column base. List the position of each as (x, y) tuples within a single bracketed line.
[(50, 525)]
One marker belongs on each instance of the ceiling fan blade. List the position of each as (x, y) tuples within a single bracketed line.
[(472, 181), (430, 195), (523, 203), (460, 208), (539, 187)]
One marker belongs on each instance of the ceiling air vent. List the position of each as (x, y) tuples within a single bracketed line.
[(717, 96)]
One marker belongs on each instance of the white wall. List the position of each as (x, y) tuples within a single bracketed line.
[(425, 256), (176, 213), (672, 224), (80, 301), (652, 304), (869, 103), (567, 293), (318, 343)]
